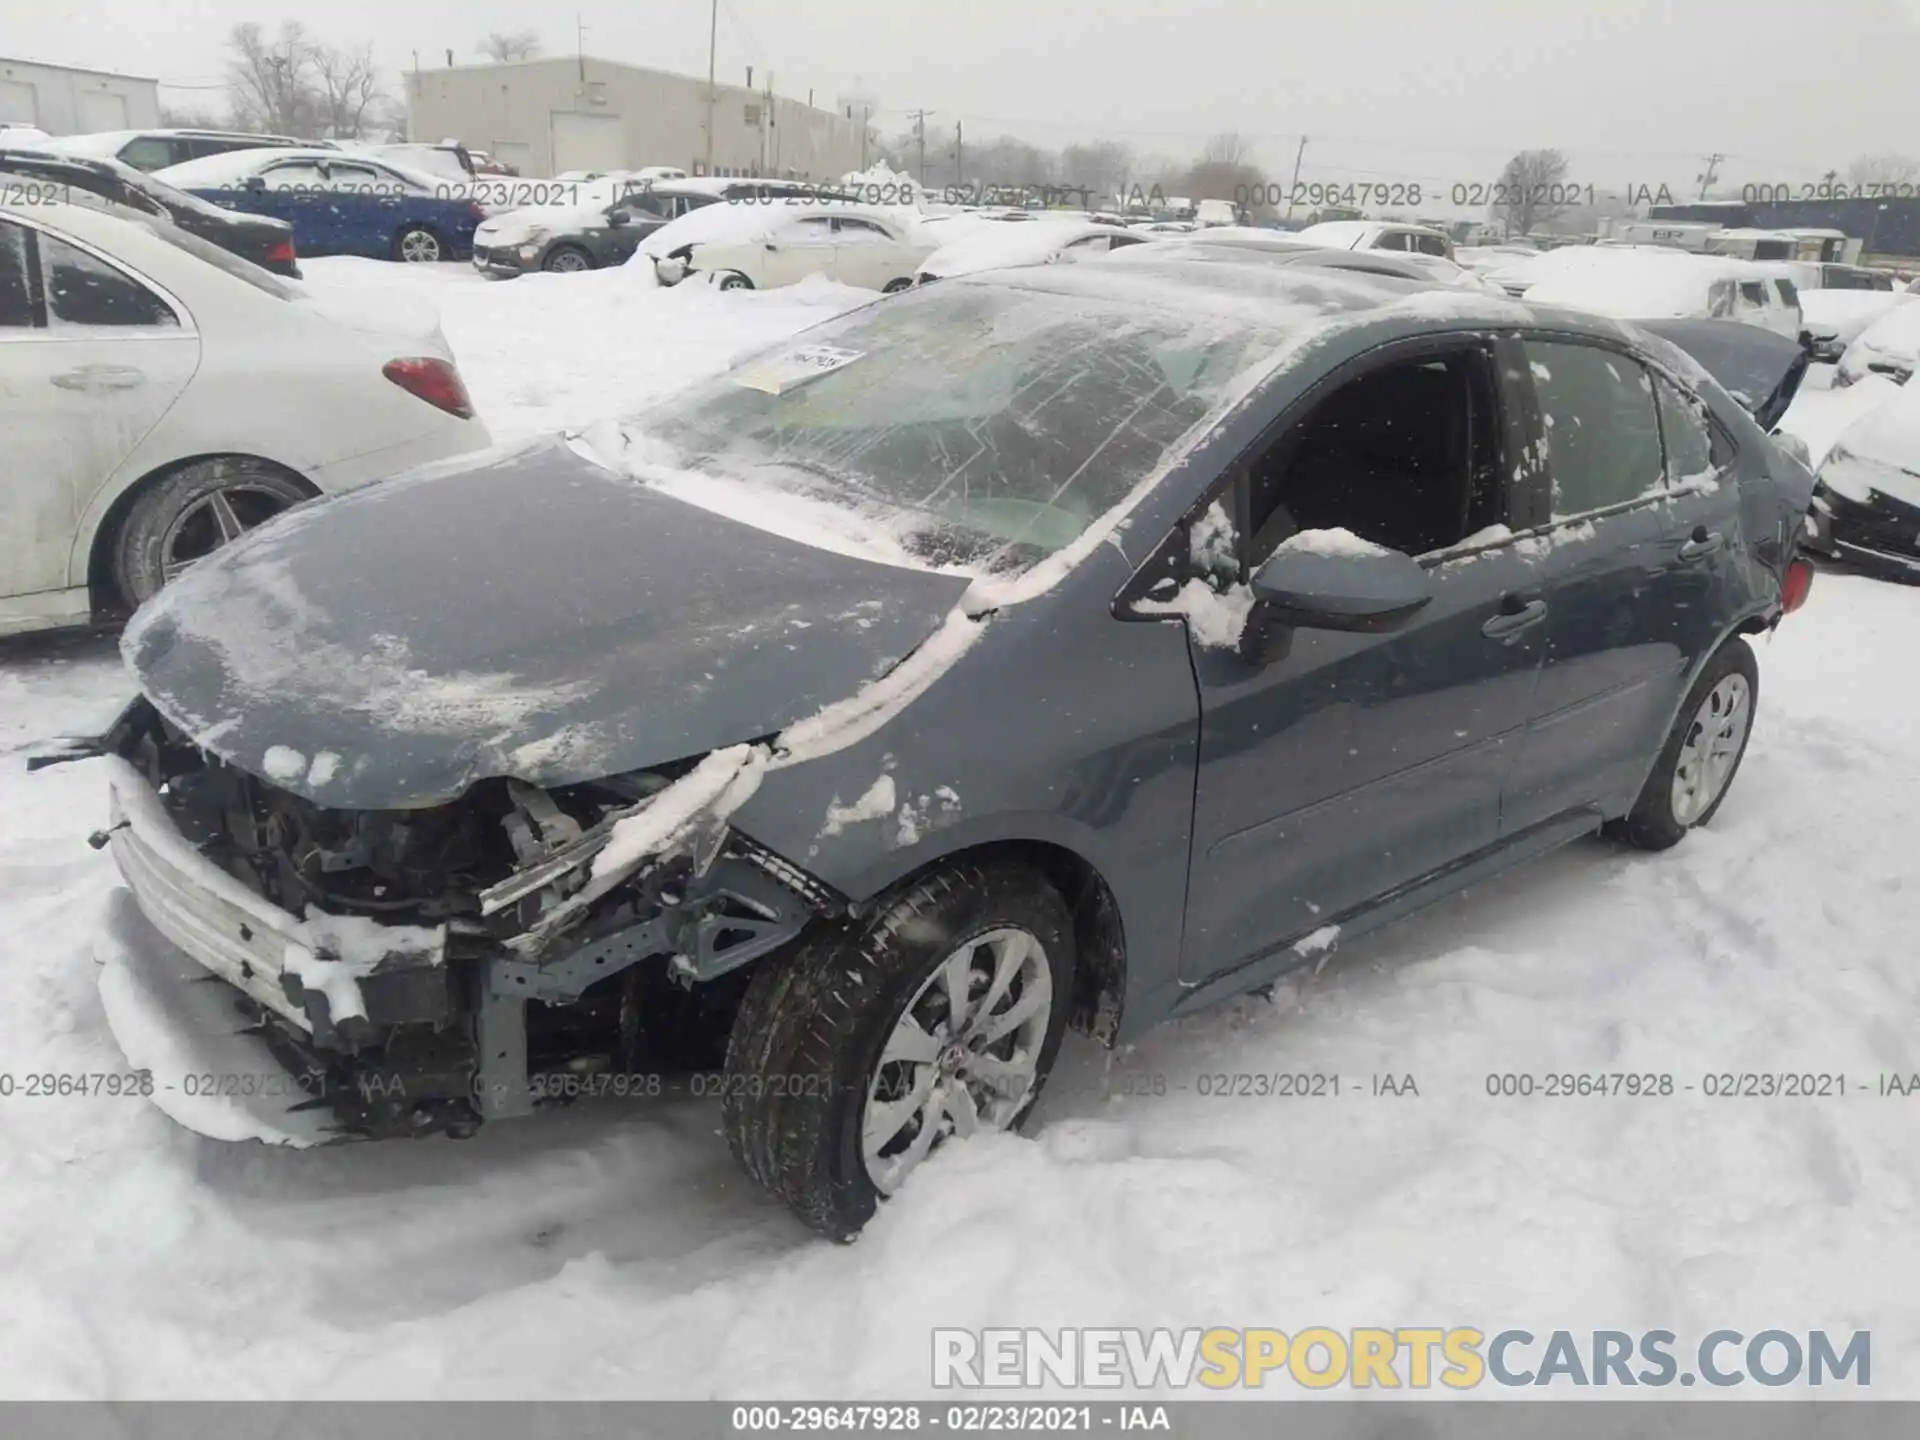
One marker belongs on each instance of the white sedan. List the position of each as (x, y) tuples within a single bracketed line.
[(162, 396), (761, 244), (1003, 245)]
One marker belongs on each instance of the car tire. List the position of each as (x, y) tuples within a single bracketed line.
[(192, 512), (894, 287), (808, 1071), (734, 280), (1702, 754), (419, 245), (566, 260)]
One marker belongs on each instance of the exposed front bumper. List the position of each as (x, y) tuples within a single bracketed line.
[(1880, 536), (295, 968), (203, 910)]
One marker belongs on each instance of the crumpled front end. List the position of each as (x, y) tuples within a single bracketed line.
[(422, 971)]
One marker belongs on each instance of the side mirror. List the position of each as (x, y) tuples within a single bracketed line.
[(616, 218), (1328, 580), (772, 246), (256, 182)]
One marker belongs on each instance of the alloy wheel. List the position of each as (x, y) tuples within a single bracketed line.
[(419, 247), (215, 519), (1712, 748), (964, 1055)]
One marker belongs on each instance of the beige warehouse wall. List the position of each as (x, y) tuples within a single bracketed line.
[(662, 116)]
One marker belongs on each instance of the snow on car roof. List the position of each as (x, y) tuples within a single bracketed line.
[(212, 172), (1895, 333), (1632, 283), (1004, 245), (1344, 233), (732, 223)]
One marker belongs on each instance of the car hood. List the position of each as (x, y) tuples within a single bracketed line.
[(1759, 368), (532, 614)]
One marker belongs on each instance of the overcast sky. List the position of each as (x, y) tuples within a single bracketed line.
[(1633, 90)]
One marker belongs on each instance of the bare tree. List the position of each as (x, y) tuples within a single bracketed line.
[(1226, 148), (1883, 170), (296, 85), (1532, 189), (502, 46), (193, 117), (351, 99), (1106, 167), (269, 82)]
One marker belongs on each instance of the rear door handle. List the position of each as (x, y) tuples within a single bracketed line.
[(1701, 543), (100, 377), (1508, 625)]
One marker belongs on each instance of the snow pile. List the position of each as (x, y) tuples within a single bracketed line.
[(1841, 315), (550, 352), (1337, 541), (1820, 412)]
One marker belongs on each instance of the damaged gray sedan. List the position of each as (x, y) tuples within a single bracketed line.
[(1065, 647)]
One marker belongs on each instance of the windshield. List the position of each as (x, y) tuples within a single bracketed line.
[(983, 426)]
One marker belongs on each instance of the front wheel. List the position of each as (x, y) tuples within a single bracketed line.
[(894, 287), (566, 260), (1703, 751), (734, 280), (418, 245), (934, 1018)]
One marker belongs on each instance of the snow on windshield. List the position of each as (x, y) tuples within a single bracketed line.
[(1629, 284), (1895, 333), (966, 426)]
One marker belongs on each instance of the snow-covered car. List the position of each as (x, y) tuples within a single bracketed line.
[(815, 723), (165, 396), (1834, 319), (594, 224), (1651, 283), (1003, 245), (1489, 258), (1380, 235), (151, 150), (1866, 508), (1890, 346), (758, 245), (1227, 241)]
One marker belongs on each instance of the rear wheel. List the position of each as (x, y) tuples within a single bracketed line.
[(193, 512), (935, 1018), (1702, 753), (417, 245), (894, 287), (734, 280), (567, 260)]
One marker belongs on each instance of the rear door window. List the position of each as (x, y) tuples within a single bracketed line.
[(1694, 447), (1601, 429), (88, 292)]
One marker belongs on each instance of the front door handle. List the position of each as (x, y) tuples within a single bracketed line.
[(1701, 543), (1509, 625), (100, 377)]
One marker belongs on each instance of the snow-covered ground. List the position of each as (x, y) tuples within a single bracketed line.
[(614, 1250)]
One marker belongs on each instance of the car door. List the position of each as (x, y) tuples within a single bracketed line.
[(296, 191), (1702, 535), (1351, 765), (630, 221), (1611, 660), (363, 207), (868, 254), (801, 247), (91, 356)]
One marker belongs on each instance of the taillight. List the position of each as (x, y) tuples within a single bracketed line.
[(434, 381), (1795, 586), (282, 252), (479, 211)]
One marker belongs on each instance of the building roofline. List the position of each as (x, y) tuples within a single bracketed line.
[(722, 88), (78, 69)]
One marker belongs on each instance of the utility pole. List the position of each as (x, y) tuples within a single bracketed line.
[(580, 47), (1295, 185), (920, 135), (1706, 180), (866, 124), (959, 154), (713, 32)]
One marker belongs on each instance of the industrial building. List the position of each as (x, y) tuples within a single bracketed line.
[(561, 113), (63, 100)]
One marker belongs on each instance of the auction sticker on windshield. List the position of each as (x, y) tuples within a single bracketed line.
[(796, 367)]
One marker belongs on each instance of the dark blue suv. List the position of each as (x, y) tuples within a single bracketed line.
[(339, 203)]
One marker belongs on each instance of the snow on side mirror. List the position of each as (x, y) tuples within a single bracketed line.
[(1334, 580)]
